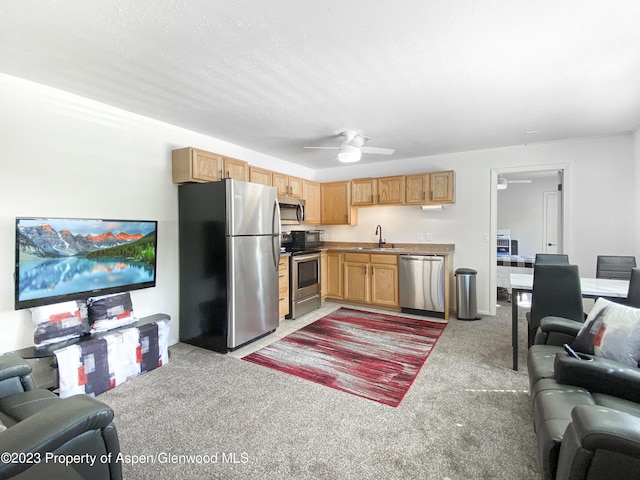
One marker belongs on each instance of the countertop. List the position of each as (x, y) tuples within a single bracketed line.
[(392, 248)]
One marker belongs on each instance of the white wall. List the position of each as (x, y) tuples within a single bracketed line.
[(65, 156), (598, 196)]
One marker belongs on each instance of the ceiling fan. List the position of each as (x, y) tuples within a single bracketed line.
[(503, 183), (352, 147)]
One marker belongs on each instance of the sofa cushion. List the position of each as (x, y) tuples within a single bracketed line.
[(540, 359), (3, 427), (611, 331), (22, 405)]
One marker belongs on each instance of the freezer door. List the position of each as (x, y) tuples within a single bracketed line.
[(251, 209), (253, 288)]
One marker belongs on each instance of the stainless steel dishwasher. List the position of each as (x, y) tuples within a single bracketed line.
[(422, 284)]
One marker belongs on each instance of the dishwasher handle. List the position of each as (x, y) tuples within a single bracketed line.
[(423, 258)]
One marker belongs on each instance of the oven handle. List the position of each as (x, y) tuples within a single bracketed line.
[(304, 258)]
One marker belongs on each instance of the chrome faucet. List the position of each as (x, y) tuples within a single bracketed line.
[(381, 241)]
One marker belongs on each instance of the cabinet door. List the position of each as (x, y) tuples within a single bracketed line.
[(442, 187), (363, 191), (260, 175), (193, 165), (295, 187), (417, 188), (384, 284), (234, 168), (311, 196), (356, 282), (335, 206), (281, 182), (334, 275), (283, 287), (391, 190)]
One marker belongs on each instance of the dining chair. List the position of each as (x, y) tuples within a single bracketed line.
[(556, 292), (633, 296), (615, 266), (560, 258)]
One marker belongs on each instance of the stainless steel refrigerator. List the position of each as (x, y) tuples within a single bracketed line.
[(229, 253)]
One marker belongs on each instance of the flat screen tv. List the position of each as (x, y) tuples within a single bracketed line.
[(61, 259)]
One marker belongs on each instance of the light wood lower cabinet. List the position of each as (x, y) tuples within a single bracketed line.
[(283, 287), (371, 279), (332, 276)]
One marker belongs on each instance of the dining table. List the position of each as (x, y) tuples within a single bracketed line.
[(591, 288)]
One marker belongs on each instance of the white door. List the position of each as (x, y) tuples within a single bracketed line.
[(551, 223)]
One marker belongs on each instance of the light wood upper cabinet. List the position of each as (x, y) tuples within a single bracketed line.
[(260, 175), (391, 190), (417, 188), (194, 165), (311, 197), (378, 191), (234, 168), (363, 191), (335, 206), (430, 188), (287, 186), (442, 186)]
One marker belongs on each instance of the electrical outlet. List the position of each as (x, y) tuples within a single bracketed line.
[(420, 237), (485, 238), (428, 237)]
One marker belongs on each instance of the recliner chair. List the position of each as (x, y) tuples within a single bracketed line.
[(39, 424)]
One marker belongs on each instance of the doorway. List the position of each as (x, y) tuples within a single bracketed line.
[(528, 207)]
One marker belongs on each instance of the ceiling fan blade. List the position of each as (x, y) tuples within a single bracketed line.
[(326, 148), (378, 151)]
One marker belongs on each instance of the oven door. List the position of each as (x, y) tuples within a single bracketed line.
[(305, 275)]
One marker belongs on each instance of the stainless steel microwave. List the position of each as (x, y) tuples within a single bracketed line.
[(291, 211)]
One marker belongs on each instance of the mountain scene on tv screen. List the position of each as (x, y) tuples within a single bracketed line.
[(83, 256)]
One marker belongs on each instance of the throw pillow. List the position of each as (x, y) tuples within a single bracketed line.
[(58, 322), (110, 311), (611, 331)]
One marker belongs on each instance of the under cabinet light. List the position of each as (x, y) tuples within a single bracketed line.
[(431, 207)]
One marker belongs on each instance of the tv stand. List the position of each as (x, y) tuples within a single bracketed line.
[(43, 360)]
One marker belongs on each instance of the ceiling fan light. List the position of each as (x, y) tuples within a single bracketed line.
[(349, 156)]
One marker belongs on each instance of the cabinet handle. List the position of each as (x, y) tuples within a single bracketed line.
[(424, 195), (431, 195), (371, 198), (365, 269), (378, 198), (220, 174), (228, 174)]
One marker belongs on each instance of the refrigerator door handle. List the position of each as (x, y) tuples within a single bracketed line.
[(276, 233)]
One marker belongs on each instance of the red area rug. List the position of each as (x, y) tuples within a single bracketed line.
[(372, 355)]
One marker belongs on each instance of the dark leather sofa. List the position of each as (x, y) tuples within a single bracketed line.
[(586, 411), (41, 428)]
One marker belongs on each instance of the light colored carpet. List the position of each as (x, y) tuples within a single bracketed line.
[(207, 415)]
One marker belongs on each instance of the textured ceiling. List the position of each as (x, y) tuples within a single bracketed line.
[(421, 76)]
